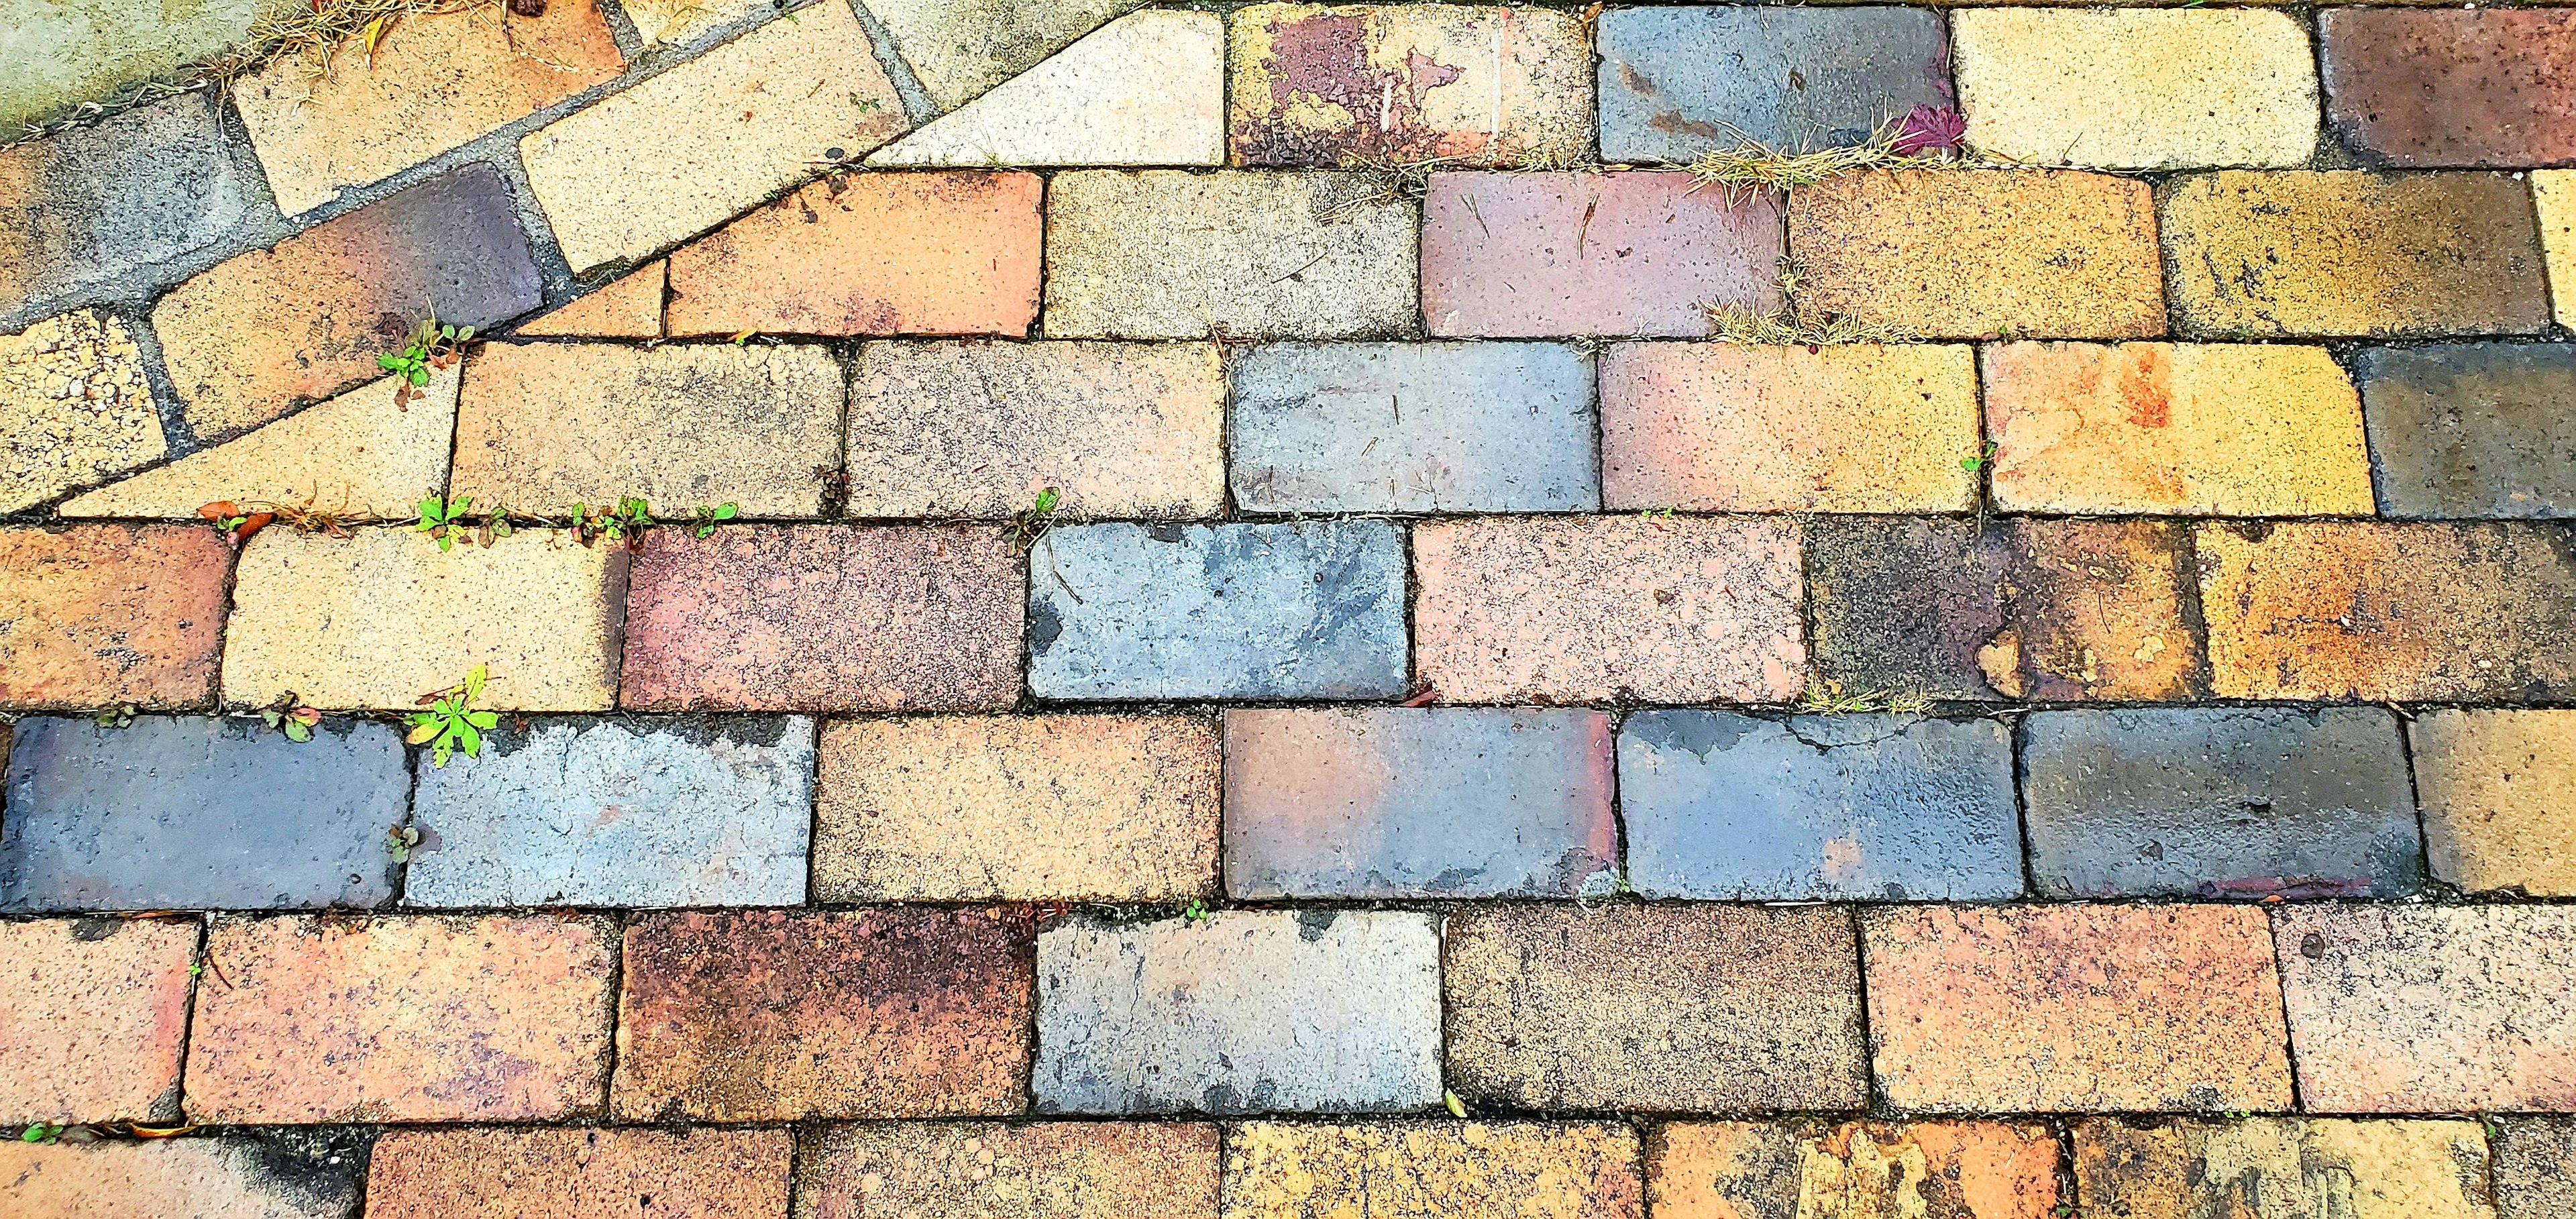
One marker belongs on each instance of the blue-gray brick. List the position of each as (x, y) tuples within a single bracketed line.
[(2472, 429), (1679, 82)]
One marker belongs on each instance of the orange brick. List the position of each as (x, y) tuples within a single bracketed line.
[(476, 1018), (629, 307), (219, 1177), (96, 1012), (96, 615), (1051, 1170), (937, 252), (2075, 1008), (579, 1173), (1752, 1170)]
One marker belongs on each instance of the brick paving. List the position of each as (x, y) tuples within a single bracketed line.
[(1236, 625)]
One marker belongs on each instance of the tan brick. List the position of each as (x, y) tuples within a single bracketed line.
[(960, 48), (481, 1018), (219, 1177), (1145, 89), (1050, 1170), (1578, 609), (2288, 1167), (1113, 808), (74, 408), (2531, 1159), (2075, 1008), (96, 1014), (628, 307), (1314, 84), (1724, 428), (1748, 1170), (2498, 790), (2346, 252), (2175, 429), (579, 1173), (383, 616), (927, 252), (2553, 192), (2137, 88), (680, 151), (1527, 1170), (432, 82), (661, 21), (2378, 611), (979, 429), (97, 615), (1952, 254), (543, 426)]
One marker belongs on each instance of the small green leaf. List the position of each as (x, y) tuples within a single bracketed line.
[(470, 738), (725, 511), (439, 753), (474, 679), (447, 332), (464, 334), (485, 720), (388, 363), (296, 731)]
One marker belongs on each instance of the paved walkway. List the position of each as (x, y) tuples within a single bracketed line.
[(1223, 631)]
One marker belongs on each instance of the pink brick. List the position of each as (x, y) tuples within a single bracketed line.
[(96, 615), (1623, 253), (580, 1173), (95, 1013)]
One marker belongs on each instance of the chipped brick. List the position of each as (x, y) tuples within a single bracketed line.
[(2284, 1166), (1317, 84), (1748, 1170)]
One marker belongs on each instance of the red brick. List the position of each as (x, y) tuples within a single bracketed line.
[(1858, 1170), (97, 615), (580, 1173), (1050, 1170), (96, 1012), (2075, 1008), (1584, 609), (940, 252), (474, 1018), (218, 1177), (824, 618), (780, 1015), (2451, 86), (1622, 253)]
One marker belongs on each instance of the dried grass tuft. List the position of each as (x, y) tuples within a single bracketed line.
[(1794, 324), (1827, 698), (1753, 166)]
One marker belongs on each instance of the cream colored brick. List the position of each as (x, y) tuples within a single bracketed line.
[(1146, 89), (74, 408), (359, 456), (2137, 88), (2499, 794), (2555, 191), (960, 48)]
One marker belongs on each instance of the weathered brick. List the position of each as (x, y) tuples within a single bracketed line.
[(138, 189), (97, 615), (823, 618), (76, 54), (1445, 802), (74, 408), (1727, 428), (341, 621), (2082, 1008), (1315, 84), (935, 252), (2553, 193), (1493, 427), (1536, 255), (1680, 82), (2287, 1166), (980, 429), (1111, 808), (2346, 252), (1584, 609), (2430, 1009), (1656, 1008), (1875, 807), (628, 307), (1330, 1011), (687, 148), (360, 456), (2499, 797), (2472, 429), (1145, 89), (489, 1018), (1049, 1170), (258, 334), (97, 1013), (1528, 1170), (579, 1173), (2530, 1166), (548, 425), (2219, 802), (199, 813), (2472, 87), (349, 115), (959, 50), (1304, 610), (2138, 88), (2374, 611), (1747, 1170), (594, 812), (1975, 254), (249, 1175), (1161, 254), (684, 21), (781, 1015)]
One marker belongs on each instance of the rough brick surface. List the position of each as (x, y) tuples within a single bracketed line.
[(1115, 808), (1528, 1170), (1655, 1008), (2430, 1009), (981, 429), (960, 48), (1680, 82), (1443, 802), (2472, 429), (1875, 807), (199, 813), (2219, 802), (98, 1011), (1244, 1012), (2361, 610), (2282, 1166), (628, 307), (1051, 1170), (145, 187), (1725, 428), (576, 1173), (2531, 1158), (781, 1015), (2498, 790), (2138, 88), (1309, 610), (1595, 608), (1626, 253), (1950, 254), (2346, 252), (2429, 87), (823, 618), (2082, 1008), (1413, 427), (75, 407), (275, 1175), (1315, 84), (1746, 1170), (97, 615), (2553, 192), (1146, 89), (489, 1018)]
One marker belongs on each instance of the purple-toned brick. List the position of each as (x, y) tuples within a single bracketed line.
[(2473, 87), (1509, 255)]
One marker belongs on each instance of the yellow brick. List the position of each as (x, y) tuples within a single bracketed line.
[(2282, 1168), (1525, 1170), (2499, 796), (2137, 88), (2555, 192)]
